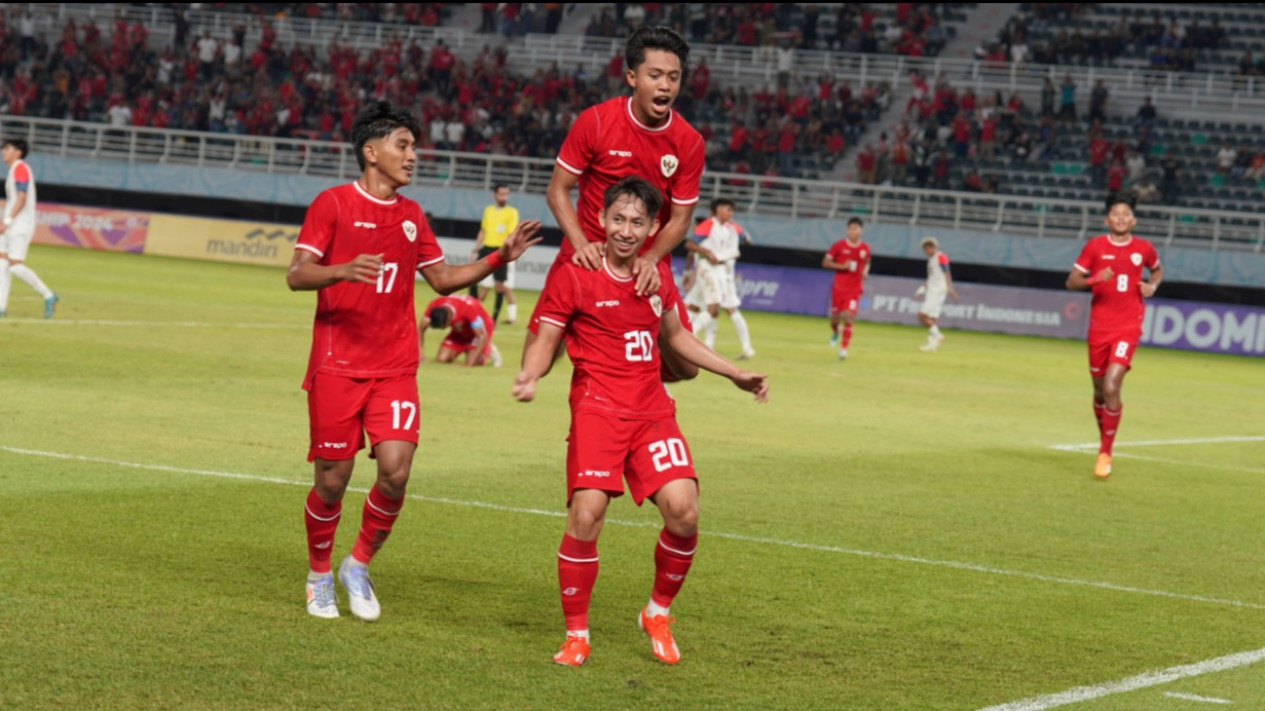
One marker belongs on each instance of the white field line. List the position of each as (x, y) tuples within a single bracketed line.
[(1133, 683), (159, 324), (1196, 697), (1089, 447), (1159, 443), (954, 565)]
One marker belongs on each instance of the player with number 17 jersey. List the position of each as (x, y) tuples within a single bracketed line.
[(607, 143), (367, 330), (611, 336)]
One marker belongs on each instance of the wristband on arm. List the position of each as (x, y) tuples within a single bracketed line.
[(494, 260)]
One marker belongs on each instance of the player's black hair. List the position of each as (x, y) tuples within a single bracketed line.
[(378, 120), (18, 143), (1121, 196), (856, 221), (637, 188), (498, 186), (655, 37), (440, 317), (721, 201)]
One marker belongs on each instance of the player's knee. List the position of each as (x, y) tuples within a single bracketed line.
[(681, 518), (585, 523)]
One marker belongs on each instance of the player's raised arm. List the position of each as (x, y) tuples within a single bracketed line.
[(688, 346), (447, 278), (537, 360), (306, 273)]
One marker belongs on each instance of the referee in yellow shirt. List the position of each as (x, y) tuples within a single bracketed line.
[(499, 221)]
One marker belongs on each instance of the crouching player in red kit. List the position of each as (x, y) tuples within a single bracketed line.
[(623, 422), (359, 247), (1111, 265)]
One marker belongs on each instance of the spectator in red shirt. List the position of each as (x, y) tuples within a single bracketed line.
[(867, 162)]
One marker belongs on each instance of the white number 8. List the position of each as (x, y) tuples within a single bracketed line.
[(1122, 349), (1122, 282)]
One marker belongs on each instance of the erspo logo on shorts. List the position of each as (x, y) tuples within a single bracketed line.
[(595, 473), (334, 445)]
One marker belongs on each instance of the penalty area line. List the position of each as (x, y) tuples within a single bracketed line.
[(895, 557), (1134, 683)]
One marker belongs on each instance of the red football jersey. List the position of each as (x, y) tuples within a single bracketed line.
[(612, 337), (469, 314), (367, 330), (844, 251), (1117, 305), (606, 144)]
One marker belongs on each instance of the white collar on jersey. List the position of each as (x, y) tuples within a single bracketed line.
[(1120, 244), (362, 191), (611, 272), (642, 126)]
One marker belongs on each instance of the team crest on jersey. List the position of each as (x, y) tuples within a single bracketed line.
[(656, 305), (668, 164), (410, 230), (1136, 259)]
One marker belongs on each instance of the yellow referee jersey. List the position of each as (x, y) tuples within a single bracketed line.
[(498, 223)]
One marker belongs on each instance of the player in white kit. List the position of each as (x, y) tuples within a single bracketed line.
[(939, 284), (18, 227), (715, 245)]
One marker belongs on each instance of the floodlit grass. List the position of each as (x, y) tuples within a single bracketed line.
[(890, 532)]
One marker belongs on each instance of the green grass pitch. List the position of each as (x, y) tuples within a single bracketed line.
[(896, 531)]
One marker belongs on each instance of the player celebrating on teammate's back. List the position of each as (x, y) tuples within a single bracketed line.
[(637, 135), (359, 248), (623, 422), (1111, 266), (850, 260)]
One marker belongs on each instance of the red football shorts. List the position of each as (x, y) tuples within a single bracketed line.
[(603, 451), (460, 345), (1108, 348), (844, 300), (341, 410)]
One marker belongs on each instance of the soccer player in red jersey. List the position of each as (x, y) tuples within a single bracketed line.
[(1111, 266), (850, 260), (632, 135), (359, 248), (470, 330), (623, 422)]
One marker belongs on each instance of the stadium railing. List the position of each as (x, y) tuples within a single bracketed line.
[(761, 195)]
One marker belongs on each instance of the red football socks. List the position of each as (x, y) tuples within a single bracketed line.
[(1110, 423), (672, 558), (1098, 410), (577, 571), (847, 335), (321, 520), (379, 516)]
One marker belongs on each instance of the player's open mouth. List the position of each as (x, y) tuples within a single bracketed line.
[(662, 102)]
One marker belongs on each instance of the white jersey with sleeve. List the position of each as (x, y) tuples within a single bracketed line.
[(19, 174), (937, 265)]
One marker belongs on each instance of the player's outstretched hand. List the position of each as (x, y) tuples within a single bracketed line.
[(590, 256), (753, 383), (365, 268), (524, 389), (523, 236), (647, 273)]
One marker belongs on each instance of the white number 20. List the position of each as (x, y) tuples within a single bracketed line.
[(639, 346), (667, 453)]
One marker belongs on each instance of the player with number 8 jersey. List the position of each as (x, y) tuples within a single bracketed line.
[(1111, 266)]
